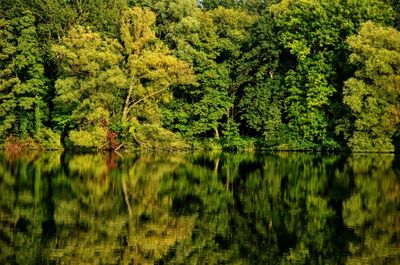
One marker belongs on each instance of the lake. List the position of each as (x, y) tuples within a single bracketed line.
[(200, 208)]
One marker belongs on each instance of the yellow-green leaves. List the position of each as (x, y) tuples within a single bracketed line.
[(136, 29), (373, 94), (103, 79), (83, 52), (90, 85), (150, 68)]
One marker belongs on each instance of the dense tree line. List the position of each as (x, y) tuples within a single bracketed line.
[(289, 74)]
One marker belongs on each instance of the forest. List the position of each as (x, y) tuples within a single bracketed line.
[(213, 74)]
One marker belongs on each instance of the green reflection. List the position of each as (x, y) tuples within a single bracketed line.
[(373, 210), (204, 208)]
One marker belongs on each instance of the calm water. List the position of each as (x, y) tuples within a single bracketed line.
[(279, 208)]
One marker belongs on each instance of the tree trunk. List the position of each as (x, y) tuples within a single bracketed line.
[(216, 133), (126, 105)]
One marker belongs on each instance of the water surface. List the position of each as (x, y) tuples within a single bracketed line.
[(205, 208)]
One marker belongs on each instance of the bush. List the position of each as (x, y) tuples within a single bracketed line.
[(231, 139), (49, 139), (211, 144), (362, 142), (93, 139), (16, 144), (154, 137)]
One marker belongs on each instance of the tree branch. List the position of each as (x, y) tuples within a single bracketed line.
[(144, 98)]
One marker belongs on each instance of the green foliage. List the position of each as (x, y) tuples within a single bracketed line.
[(215, 72), (373, 202), (259, 84), (312, 32), (56, 17), (249, 5), (309, 82), (96, 138), (396, 7), (150, 69), (373, 94), (49, 139), (211, 41), (22, 80), (231, 139), (91, 82), (205, 104), (155, 137)]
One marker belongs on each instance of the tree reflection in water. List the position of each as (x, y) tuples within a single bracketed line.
[(204, 208)]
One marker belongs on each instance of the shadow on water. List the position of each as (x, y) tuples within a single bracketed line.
[(201, 208)]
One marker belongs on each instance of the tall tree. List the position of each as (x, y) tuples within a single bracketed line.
[(150, 68), (22, 81), (104, 82), (260, 94), (211, 41), (90, 84), (373, 94), (312, 34), (311, 41)]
